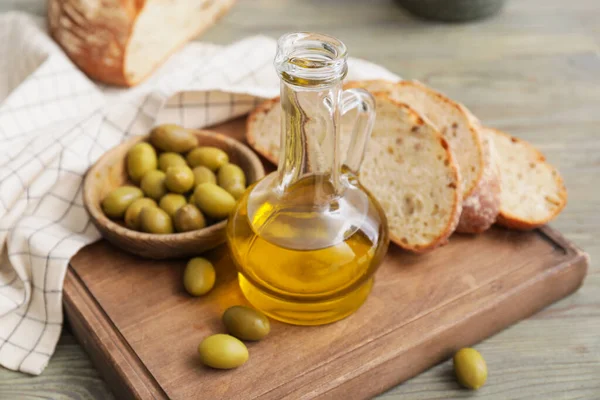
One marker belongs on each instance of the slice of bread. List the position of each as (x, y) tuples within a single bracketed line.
[(408, 167), (533, 192), (480, 187), (122, 41)]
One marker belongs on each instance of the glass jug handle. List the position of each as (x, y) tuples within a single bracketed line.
[(364, 102)]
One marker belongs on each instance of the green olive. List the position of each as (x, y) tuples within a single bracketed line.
[(213, 200), (170, 137), (470, 368), (189, 218), (199, 276), (229, 174), (179, 179), (166, 160), (236, 189), (155, 220), (191, 198), (171, 202), (132, 215), (153, 184), (222, 351), (203, 175), (246, 323), (115, 204), (210, 157), (141, 158)]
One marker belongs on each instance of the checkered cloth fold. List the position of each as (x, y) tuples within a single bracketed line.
[(55, 122)]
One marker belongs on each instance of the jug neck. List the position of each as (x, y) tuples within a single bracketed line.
[(311, 68)]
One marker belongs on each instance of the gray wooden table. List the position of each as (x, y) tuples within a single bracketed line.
[(534, 71)]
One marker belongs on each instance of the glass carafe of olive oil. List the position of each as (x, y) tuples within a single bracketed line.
[(308, 238)]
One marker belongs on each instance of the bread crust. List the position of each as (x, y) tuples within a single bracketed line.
[(96, 34), (455, 211), (509, 220), (481, 207)]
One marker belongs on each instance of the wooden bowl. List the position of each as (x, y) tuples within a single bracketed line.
[(110, 172)]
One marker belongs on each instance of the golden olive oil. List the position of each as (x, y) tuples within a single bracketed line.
[(302, 263)]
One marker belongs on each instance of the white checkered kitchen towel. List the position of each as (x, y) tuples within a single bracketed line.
[(55, 122)]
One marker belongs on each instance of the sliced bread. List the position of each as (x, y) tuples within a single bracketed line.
[(480, 187), (408, 167), (533, 192)]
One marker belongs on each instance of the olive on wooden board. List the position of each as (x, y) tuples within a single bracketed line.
[(141, 158), (210, 157), (132, 215), (199, 276), (203, 175), (222, 351), (229, 174), (155, 220), (171, 202), (470, 368), (171, 137), (179, 179), (189, 218), (170, 159), (153, 184), (115, 204), (246, 323), (213, 200)]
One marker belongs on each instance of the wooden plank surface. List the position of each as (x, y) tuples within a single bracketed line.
[(534, 71), (142, 329)]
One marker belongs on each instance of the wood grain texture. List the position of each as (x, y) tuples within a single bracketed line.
[(422, 310), (110, 172), (532, 71)]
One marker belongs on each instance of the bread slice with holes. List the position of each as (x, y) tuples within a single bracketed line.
[(480, 187), (533, 192), (408, 167)]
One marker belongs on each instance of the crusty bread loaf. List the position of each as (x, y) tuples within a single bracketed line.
[(122, 41), (408, 167), (533, 192), (479, 176)]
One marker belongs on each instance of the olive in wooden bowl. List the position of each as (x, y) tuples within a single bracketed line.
[(113, 171)]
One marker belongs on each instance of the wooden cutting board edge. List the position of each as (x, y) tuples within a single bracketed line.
[(116, 361), (126, 374)]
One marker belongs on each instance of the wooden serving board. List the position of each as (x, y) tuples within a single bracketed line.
[(142, 330)]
